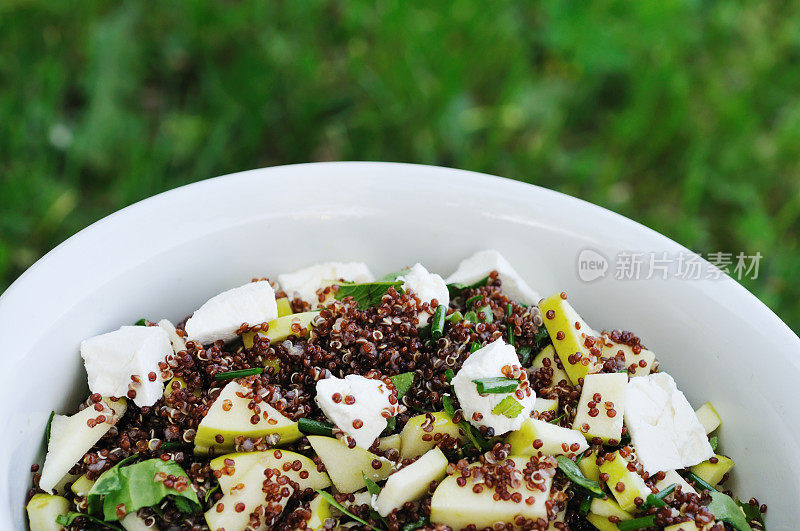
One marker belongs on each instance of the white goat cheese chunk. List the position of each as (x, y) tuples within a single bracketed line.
[(358, 406), (305, 282), (663, 426), (488, 362), (427, 287), (112, 360), (220, 317), (480, 264)]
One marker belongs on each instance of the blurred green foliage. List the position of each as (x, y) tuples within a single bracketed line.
[(684, 115)]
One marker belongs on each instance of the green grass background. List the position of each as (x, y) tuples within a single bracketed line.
[(684, 115)]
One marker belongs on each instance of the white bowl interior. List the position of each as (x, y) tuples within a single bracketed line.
[(165, 256)]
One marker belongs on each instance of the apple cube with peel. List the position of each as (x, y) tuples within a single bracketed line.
[(347, 467), (601, 407), (537, 437), (625, 484), (637, 360), (233, 467), (708, 417), (577, 345), (411, 482), (548, 359)]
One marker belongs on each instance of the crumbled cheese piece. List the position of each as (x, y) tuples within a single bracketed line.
[(113, 359), (359, 406), (178, 343), (488, 362), (305, 282), (480, 264), (220, 317), (663, 426), (427, 287)]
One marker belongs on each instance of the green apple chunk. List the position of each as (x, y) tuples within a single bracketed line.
[(548, 358), (602, 418), (673, 478), (626, 485), (537, 437), (589, 467), (577, 345), (390, 442), (43, 509), (459, 507), (348, 466), (412, 482), (685, 526), (320, 509), (257, 496), (283, 327), (229, 417), (71, 437), (545, 404), (233, 467), (600, 512), (708, 417), (82, 486), (134, 522), (638, 361), (416, 439), (714, 469)]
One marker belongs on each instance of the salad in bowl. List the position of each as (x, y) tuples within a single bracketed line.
[(329, 398)]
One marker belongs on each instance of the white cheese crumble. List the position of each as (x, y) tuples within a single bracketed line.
[(220, 317), (663, 426), (488, 362), (480, 264), (178, 343), (427, 287), (305, 282), (358, 406), (112, 359)]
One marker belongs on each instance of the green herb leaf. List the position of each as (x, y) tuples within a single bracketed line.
[(367, 294), (47, 427), (472, 300), (485, 314), (68, 519), (328, 496), (454, 317), (726, 510), (314, 427), (391, 277), (508, 407), (586, 502), (238, 374), (558, 418), (402, 382), (134, 487), (571, 470), (637, 523), (471, 316), (457, 288), (541, 338), (420, 523), (496, 385), (211, 492), (657, 500), (437, 322), (372, 487), (714, 442), (475, 438), (391, 424), (510, 326), (474, 346), (447, 405), (170, 445), (448, 375), (701, 482), (751, 512), (524, 355), (141, 322)]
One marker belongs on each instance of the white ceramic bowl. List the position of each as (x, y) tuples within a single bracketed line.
[(166, 255)]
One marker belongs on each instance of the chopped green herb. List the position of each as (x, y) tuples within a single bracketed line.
[(238, 374), (403, 382), (557, 419), (454, 317), (170, 445), (486, 312), (457, 288), (508, 407), (141, 322), (372, 487), (585, 503), (474, 346), (722, 506), (314, 427), (472, 300), (413, 526), (541, 339), (657, 500), (751, 512), (475, 438), (448, 375), (714, 442), (68, 519), (134, 488), (437, 322), (471, 316), (637, 523), (574, 474), (368, 294), (47, 427), (391, 424), (700, 482), (329, 497), (211, 492), (496, 385), (524, 355)]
